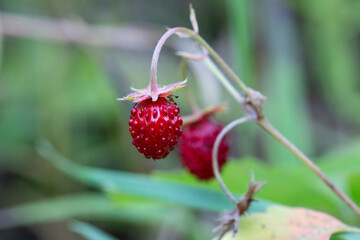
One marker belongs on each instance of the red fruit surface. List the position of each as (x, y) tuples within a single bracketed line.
[(196, 146), (155, 127)]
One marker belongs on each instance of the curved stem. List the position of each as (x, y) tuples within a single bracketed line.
[(307, 161), (155, 57), (215, 163)]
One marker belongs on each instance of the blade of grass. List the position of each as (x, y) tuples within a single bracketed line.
[(142, 185), (89, 232), (99, 207)]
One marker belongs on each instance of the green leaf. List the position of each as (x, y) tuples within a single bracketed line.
[(91, 206), (143, 186), (99, 207), (55, 209), (301, 188), (285, 223), (345, 236), (90, 232), (236, 175)]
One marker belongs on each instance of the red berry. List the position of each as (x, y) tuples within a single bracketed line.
[(155, 127), (196, 148)]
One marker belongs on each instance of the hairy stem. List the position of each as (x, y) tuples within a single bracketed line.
[(155, 58), (215, 163), (307, 161)]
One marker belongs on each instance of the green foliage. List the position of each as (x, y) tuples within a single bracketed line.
[(184, 189), (58, 93), (87, 206), (296, 186), (345, 236), (302, 55), (331, 29), (141, 185), (57, 209), (89, 232)]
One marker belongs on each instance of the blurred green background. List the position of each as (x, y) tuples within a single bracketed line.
[(63, 64)]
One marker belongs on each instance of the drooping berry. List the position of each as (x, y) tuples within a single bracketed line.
[(155, 127), (196, 146)]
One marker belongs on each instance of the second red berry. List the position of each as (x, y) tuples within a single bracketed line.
[(196, 146)]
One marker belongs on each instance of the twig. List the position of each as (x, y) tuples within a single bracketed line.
[(230, 220), (307, 161)]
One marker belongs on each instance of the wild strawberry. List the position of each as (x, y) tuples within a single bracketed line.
[(196, 146), (155, 127), (154, 122)]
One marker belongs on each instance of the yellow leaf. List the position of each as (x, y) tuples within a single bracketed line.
[(285, 223)]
